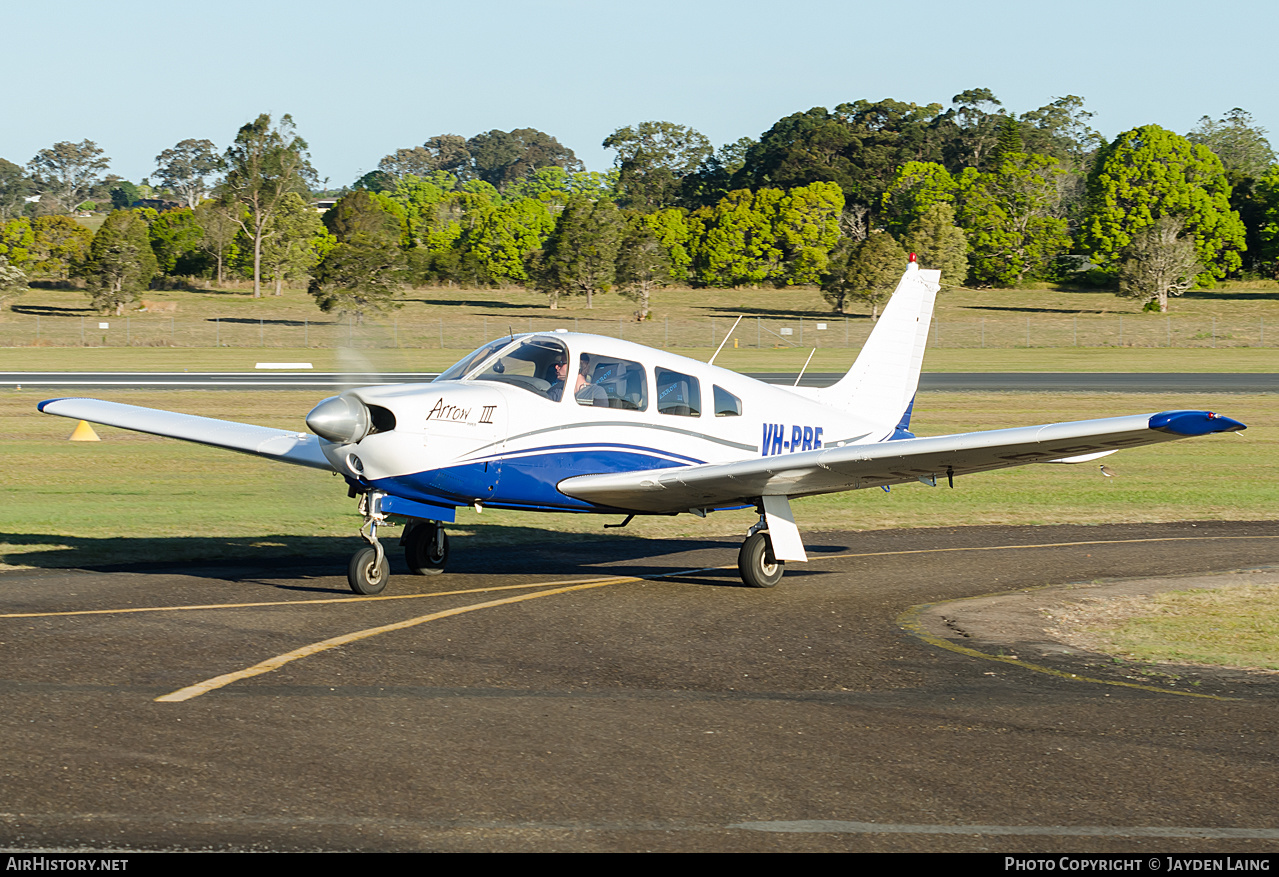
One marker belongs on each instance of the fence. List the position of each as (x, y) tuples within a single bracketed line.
[(24, 330)]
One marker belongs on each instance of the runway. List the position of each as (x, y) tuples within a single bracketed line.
[(617, 693), (1042, 382)]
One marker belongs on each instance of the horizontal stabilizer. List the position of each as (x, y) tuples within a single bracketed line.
[(299, 448)]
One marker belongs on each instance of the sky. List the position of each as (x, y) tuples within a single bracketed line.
[(364, 79)]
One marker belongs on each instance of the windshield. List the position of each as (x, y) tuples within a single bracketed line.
[(458, 370), (536, 364)]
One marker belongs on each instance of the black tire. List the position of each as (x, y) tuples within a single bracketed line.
[(365, 575), (426, 549), (756, 563)]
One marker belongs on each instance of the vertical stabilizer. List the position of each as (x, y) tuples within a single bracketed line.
[(882, 382)]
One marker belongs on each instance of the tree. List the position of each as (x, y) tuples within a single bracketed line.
[(1158, 263), (68, 171), (124, 194), (298, 242), (713, 178), (859, 146), (59, 244), (445, 152), (867, 270), (734, 243), (653, 158), (806, 226), (220, 229), (174, 235), (14, 187), (1012, 218), (643, 264), (782, 237), (939, 243), (17, 242), (917, 187), (502, 157), (184, 168), (13, 283), (501, 236), (580, 257), (1239, 143), (1267, 197), (264, 165), (362, 272), (977, 115), (1147, 173), (1061, 129), (120, 263)]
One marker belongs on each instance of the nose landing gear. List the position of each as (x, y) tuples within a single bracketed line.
[(368, 570), (426, 548)]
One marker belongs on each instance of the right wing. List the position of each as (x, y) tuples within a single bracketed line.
[(299, 448), (833, 469)]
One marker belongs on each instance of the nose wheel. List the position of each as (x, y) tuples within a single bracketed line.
[(368, 571)]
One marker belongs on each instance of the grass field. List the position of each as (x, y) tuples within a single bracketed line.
[(1236, 625), (433, 322)]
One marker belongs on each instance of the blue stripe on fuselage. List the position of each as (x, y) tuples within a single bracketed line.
[(526, 481)]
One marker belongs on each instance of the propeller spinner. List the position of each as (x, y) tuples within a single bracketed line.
[(343, 419)]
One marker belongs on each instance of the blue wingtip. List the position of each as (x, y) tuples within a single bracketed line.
[(1194, 422), (40, 406)]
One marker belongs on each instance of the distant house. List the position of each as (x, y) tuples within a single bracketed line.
[(323, 205)]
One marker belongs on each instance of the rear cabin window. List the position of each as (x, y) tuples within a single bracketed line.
[(609, 382), (726, 404), (678, 394)]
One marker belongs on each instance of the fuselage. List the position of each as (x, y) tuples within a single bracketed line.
[(507, 425)]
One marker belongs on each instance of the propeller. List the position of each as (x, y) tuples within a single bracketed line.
[(345, 418)]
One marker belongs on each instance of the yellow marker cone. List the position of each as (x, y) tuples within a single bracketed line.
[(84, 433)]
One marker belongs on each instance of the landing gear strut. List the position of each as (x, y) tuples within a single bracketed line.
[(426, 548), (368, 570), (755, 561)]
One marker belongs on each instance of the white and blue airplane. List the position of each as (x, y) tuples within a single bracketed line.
[(568, 422)]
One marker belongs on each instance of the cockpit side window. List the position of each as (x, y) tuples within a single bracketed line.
[(535, 364), (678, 393)]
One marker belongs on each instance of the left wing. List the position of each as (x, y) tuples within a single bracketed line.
[(833, 469), (299, 448)]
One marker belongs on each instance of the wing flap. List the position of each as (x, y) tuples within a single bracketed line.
[(299, 448), (872, 465)]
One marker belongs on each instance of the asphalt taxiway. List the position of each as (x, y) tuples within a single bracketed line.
[(617, 693)]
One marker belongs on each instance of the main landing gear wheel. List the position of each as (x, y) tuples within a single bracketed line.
[(426, 549), (756, 563), (365, 574)]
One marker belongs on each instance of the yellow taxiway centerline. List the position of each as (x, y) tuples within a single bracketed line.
[(278, 661)]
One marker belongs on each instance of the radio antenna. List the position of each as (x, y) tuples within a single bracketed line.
[(722, 343), (805, 368)]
